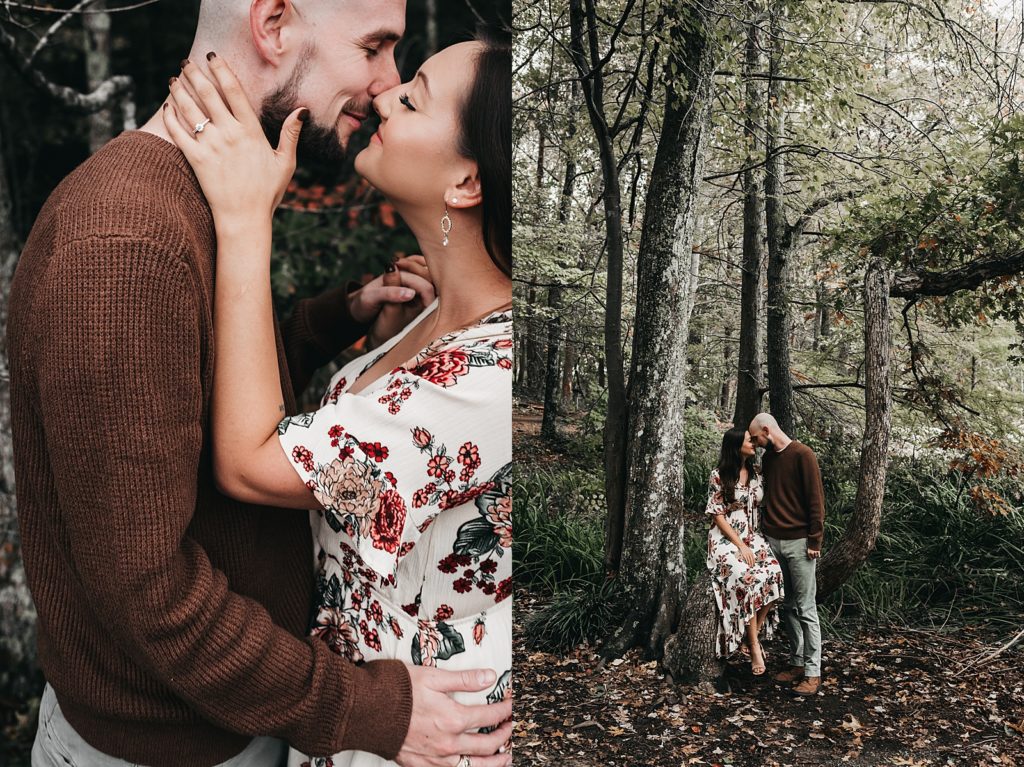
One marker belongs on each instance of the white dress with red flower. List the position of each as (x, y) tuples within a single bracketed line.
[(740, 589), (413, 545)]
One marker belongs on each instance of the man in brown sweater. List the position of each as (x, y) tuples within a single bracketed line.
[(793, 523), (172, 619)]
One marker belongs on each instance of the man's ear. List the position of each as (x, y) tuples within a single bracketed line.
[(269, 21), (466, 193)]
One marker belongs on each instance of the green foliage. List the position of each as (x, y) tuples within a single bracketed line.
[(326, 238), (581, 613), (559, 538), (703, 441), (937, 556)]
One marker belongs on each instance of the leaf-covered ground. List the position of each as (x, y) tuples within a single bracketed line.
[(889, 697)]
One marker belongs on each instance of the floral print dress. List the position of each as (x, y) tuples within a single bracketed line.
[(740, 590), (413, 545)]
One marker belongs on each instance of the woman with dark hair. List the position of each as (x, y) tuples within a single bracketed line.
[(407, 461), (745, 575)]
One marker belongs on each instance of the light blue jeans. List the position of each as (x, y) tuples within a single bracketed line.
[(800, 607), (58, 745)]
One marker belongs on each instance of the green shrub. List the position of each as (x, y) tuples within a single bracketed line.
[(559, 528), (583, 612), (936, 556)]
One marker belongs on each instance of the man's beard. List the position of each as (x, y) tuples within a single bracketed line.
[(317, 144)]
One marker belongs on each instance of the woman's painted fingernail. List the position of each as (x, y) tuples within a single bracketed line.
[(172, 80), (211, 56), (303, 115), (184, 63)]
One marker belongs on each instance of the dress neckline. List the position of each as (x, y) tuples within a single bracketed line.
[(495, 315)]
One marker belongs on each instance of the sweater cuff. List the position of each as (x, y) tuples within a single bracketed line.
[(381, 707), (332, 326)]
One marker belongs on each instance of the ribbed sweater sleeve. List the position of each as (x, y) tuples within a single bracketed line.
[(318, 330), (814, 498), (120, 393)]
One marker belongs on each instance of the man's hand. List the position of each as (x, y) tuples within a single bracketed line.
[(813, 553), (442, 731), (393, 299)]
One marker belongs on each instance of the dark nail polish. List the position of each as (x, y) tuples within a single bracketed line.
[(166, 105), (211, 56), (389, 268), (171, 81), (303, 115), (184, 63)]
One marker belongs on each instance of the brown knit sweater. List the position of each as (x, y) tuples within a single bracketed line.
[(793, 495), (171, 618)]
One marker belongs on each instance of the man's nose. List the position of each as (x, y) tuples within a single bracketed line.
[(386, 79)]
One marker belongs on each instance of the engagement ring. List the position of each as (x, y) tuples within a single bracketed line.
[(199, 126), (465, 761)]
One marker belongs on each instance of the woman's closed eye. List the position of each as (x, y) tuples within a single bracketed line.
[(370, 51), (404, 99)]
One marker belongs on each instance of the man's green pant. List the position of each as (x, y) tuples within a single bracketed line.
[(799, 609)]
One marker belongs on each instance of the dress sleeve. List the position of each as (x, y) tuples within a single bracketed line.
[(716, 500), (384, 463)]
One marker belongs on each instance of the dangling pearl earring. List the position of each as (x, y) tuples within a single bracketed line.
[(446, 223)]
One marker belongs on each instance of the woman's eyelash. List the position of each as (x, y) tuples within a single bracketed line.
[(371, 52), (405, 101)]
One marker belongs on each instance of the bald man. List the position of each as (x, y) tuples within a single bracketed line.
[(793, 523), (172, 619)]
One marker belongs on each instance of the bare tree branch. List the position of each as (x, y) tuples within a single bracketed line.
[(117, 89)]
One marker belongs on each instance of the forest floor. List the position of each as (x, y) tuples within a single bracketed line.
[(892, 696)]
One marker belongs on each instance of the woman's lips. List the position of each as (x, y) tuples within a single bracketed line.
[(377, 137)]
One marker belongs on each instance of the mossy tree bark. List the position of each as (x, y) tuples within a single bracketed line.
[(858, 541), (653, 571)]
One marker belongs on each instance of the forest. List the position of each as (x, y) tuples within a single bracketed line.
[(811, 208), (74, 74)]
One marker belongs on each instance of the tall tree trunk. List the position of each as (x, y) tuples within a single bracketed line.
[(748, 379), (534, 348), (725, 392), (553, 367), (568, 371), (780, 385), (587, 59), (97, 70), (552, 364), (431, 27), (653, 571), (822, 320), (18, 672), (861, 533)]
